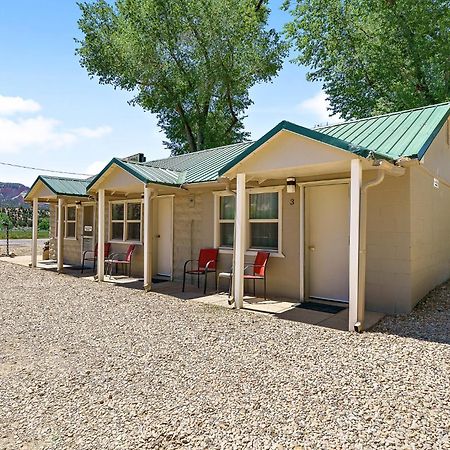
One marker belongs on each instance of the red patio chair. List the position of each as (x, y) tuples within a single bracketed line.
[(259, 272), (91, 255), (120, 258), (206, 263)]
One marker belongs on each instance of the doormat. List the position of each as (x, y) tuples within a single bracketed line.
[(321, 307), (158, 280)]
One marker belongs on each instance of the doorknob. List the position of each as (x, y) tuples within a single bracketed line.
[(158, 235), (312, 248)]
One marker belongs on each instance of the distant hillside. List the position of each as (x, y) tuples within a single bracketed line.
[(12, 194)]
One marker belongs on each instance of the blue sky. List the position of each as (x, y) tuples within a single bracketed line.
[(52, 115)]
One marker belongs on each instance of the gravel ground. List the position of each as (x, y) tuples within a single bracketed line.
[(92, 366)]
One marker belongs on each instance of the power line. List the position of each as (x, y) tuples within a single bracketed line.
[(44, 170)]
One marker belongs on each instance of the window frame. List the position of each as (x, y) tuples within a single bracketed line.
[(67, 221), (125, 221), (250, 251)]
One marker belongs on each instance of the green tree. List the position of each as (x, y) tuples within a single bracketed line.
[(44, 224), (374, 56), (191, 62), (5, 221)]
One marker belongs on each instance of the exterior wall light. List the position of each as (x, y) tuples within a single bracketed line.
[(290, 185)]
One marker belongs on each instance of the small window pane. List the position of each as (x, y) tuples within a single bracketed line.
[(227, 207), (70, 229), (71, 213), (134, 231), (264, 206), (264, 235), (226, 234), (117, 211), (134, 211), (117, 231)]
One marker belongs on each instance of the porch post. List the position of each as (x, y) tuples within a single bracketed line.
[(101, 236), (35, 233), (148, 238), (60, 243), (355, 204), (239, 245)]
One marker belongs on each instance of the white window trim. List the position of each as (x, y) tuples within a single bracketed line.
[(67, 221), (250, 251), (125, 221)]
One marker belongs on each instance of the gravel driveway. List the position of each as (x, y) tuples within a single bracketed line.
[(92, 366)]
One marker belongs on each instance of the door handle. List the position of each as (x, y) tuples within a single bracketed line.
[(158, 235), (312, 248)]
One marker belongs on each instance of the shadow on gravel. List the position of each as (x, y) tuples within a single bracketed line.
[(429, 321)]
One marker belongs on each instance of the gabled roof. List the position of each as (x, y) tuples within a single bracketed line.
[(72, 187), (198, 167), (390, 136), (405, 133)]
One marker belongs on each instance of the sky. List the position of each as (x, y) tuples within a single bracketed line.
[(53, 116)]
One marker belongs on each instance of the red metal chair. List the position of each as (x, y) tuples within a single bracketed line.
[(206, 263), (259, 271), (93, 257), (120, 258)]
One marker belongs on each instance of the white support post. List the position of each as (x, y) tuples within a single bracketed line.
[(148, 254), (60, 244), (355, 205), (239, 245), (302, 243), (35, 233), (101, 236)]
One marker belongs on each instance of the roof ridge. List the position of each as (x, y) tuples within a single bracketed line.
[(383, 115), (54, 177), (197, 152), (147, 164)]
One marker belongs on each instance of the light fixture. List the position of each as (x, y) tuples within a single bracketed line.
[(290, 185)]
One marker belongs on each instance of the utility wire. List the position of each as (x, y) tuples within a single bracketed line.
[(44, 170)]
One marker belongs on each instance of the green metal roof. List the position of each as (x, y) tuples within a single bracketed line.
[(405, 133), (195, 167), (390, 136), (204, 165), (72, 187)]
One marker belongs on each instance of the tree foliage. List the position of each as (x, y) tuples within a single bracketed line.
[(374, 56), (191, 62)]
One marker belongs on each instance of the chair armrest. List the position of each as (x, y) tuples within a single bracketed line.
[(187, 262), (88, 251), (211, 261)]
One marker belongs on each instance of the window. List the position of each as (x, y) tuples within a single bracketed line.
[(125, 221), (263, 220), (71, 222), (226, 220), (263, 215)]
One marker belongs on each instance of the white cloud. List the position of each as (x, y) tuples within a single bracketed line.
[(37, 132), (317, 108), (96, 167), (14, 105), (92, 133)]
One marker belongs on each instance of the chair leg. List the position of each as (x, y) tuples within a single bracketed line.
[(265, 287), (206, 281), (215, 278), (198, 280), (95, 264), (254, 288), (230, 283), (184, 280), (82, 265)]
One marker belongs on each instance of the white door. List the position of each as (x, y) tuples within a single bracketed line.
[(327, 240), (165, 236), (88, 227)]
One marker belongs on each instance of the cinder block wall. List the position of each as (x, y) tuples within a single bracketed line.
[(388, 275), (430, 233)]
